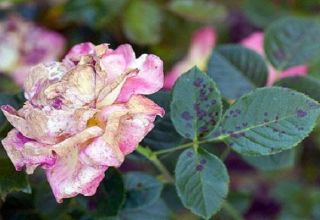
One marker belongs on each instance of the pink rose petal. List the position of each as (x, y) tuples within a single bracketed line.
[(71, 175), (74, 54), (130, 122), (116, 62), (25, 152), (202, 43), (148, 80), (255, 42)]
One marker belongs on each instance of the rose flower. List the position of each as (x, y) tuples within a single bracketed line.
[(83, 115), (24, 44)]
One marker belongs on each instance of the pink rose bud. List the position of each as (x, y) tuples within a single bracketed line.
[(202, 43), (23, 44), (84, 115), (255, 42)]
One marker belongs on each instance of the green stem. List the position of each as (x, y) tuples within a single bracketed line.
[(150, 155), (195, 144), (225, 153), (162, 169), (186, 145), (232, 211), (179, 147)]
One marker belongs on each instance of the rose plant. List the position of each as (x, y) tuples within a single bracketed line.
[(90, 124)]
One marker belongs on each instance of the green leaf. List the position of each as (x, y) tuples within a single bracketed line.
[(15, 101), (237, 70), (292, 41), (142, 190), (7, 84), (240, 200), (198, 10), (170, 196), (282, 160), (12, 180), (142, 22), (263, 12), (305, 84), (202, 182), (155, 211), (49, 209), (163, 135), (92, 13), (313, 68), (174, 41), (268, 121), (6, 99), (109, 197), (19, 205), (292, 194), (196, 105)]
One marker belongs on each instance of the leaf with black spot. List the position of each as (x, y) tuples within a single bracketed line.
[(267, 121), (196, 105), (142, 190), (202, 182), (292, 41), (155, 211)]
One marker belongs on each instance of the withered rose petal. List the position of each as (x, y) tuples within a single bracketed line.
[(76, 89), (72, 174), (103, 153), (117, 62), (25, 152), (148, 80), (110, 93), (127, 124), (74, 54), (134, 126), (139, 104), (39, 77), (18, 122), (48, 127), (132, 130)]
